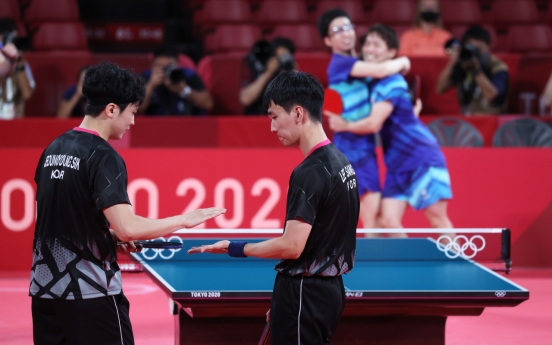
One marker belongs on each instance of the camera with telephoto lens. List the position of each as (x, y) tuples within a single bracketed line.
[(467, 51), (174, 73), (21, 43), (287, 62), (258, 56), (261, 52)]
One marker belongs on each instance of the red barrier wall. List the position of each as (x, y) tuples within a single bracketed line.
[(492, 188), (211, 131)]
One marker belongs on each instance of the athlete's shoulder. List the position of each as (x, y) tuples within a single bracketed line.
[(58, 142), (338, 59), (316, 164), (328, 160), (389, 84), (105, 150), (339, 68)]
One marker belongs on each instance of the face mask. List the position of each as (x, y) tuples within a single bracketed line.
[(429, 16)]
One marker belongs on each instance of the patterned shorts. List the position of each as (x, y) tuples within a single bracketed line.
[(421, 188)]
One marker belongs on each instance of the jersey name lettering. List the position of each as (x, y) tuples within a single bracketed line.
[(62, 161), (346, 172)]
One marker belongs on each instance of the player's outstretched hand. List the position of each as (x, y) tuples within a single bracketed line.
[(418, 106), (336, 122), (201, 215), (221, 247)]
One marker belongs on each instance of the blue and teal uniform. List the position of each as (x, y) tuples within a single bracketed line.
[(416, 167), (359, 149)]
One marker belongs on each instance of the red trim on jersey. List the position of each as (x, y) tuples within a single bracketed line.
[(80, 129), (323, 143)]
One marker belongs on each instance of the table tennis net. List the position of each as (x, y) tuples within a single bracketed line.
[(489, 247)]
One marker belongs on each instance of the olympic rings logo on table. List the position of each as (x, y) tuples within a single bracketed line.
[(162, 253), (460, 246)]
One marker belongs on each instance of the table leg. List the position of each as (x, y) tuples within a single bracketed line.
[(218, 330), (389, 330)]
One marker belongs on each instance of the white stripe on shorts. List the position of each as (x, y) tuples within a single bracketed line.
[(299, 316), (118, 319)]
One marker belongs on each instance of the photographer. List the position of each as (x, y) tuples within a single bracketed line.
[(8, 53), (73, 101), (481, 78), (264, 62), (16, 79), (173, 90)]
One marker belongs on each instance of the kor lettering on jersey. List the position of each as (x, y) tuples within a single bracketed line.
[(62, 161), (57, 174)]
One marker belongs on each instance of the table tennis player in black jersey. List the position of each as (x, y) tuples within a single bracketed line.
[(76, 287), (319, 239)]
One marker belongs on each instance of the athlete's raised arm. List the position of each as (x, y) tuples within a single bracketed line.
[(363, 69), (371, 124)]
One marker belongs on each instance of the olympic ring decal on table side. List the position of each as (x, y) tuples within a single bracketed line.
[(159, 252), (459, 250), (500, 293)]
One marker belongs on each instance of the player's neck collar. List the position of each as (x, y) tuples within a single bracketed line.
[(319, 145), (80, 129)]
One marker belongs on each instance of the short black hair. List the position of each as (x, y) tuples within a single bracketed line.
[(327, 17), (7, 25), (108, 83), (386, 33), (283, 42), (165, 50), (477, 32), (293, 88)]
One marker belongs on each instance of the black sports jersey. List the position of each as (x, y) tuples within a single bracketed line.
[(323, 193), (74, 257)]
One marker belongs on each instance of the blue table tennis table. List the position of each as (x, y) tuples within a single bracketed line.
[(399, 292)]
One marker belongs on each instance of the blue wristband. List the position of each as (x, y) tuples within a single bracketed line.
[(235, 249)]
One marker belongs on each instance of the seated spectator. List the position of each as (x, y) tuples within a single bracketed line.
[(8, 53), (427, 37), (17, 85), (547, 93), (73, 102), (173, 90), (261, 65), (481, 78)]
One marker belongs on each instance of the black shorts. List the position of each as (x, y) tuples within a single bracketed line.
[(305, 310), (103, 320)]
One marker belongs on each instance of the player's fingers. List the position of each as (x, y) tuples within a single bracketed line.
[(216, 210), (122, 249), (195, 250), (333, 122), (329, 113), (132, 247), (213, 212)]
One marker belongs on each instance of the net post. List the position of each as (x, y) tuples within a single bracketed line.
[(506, 249)]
